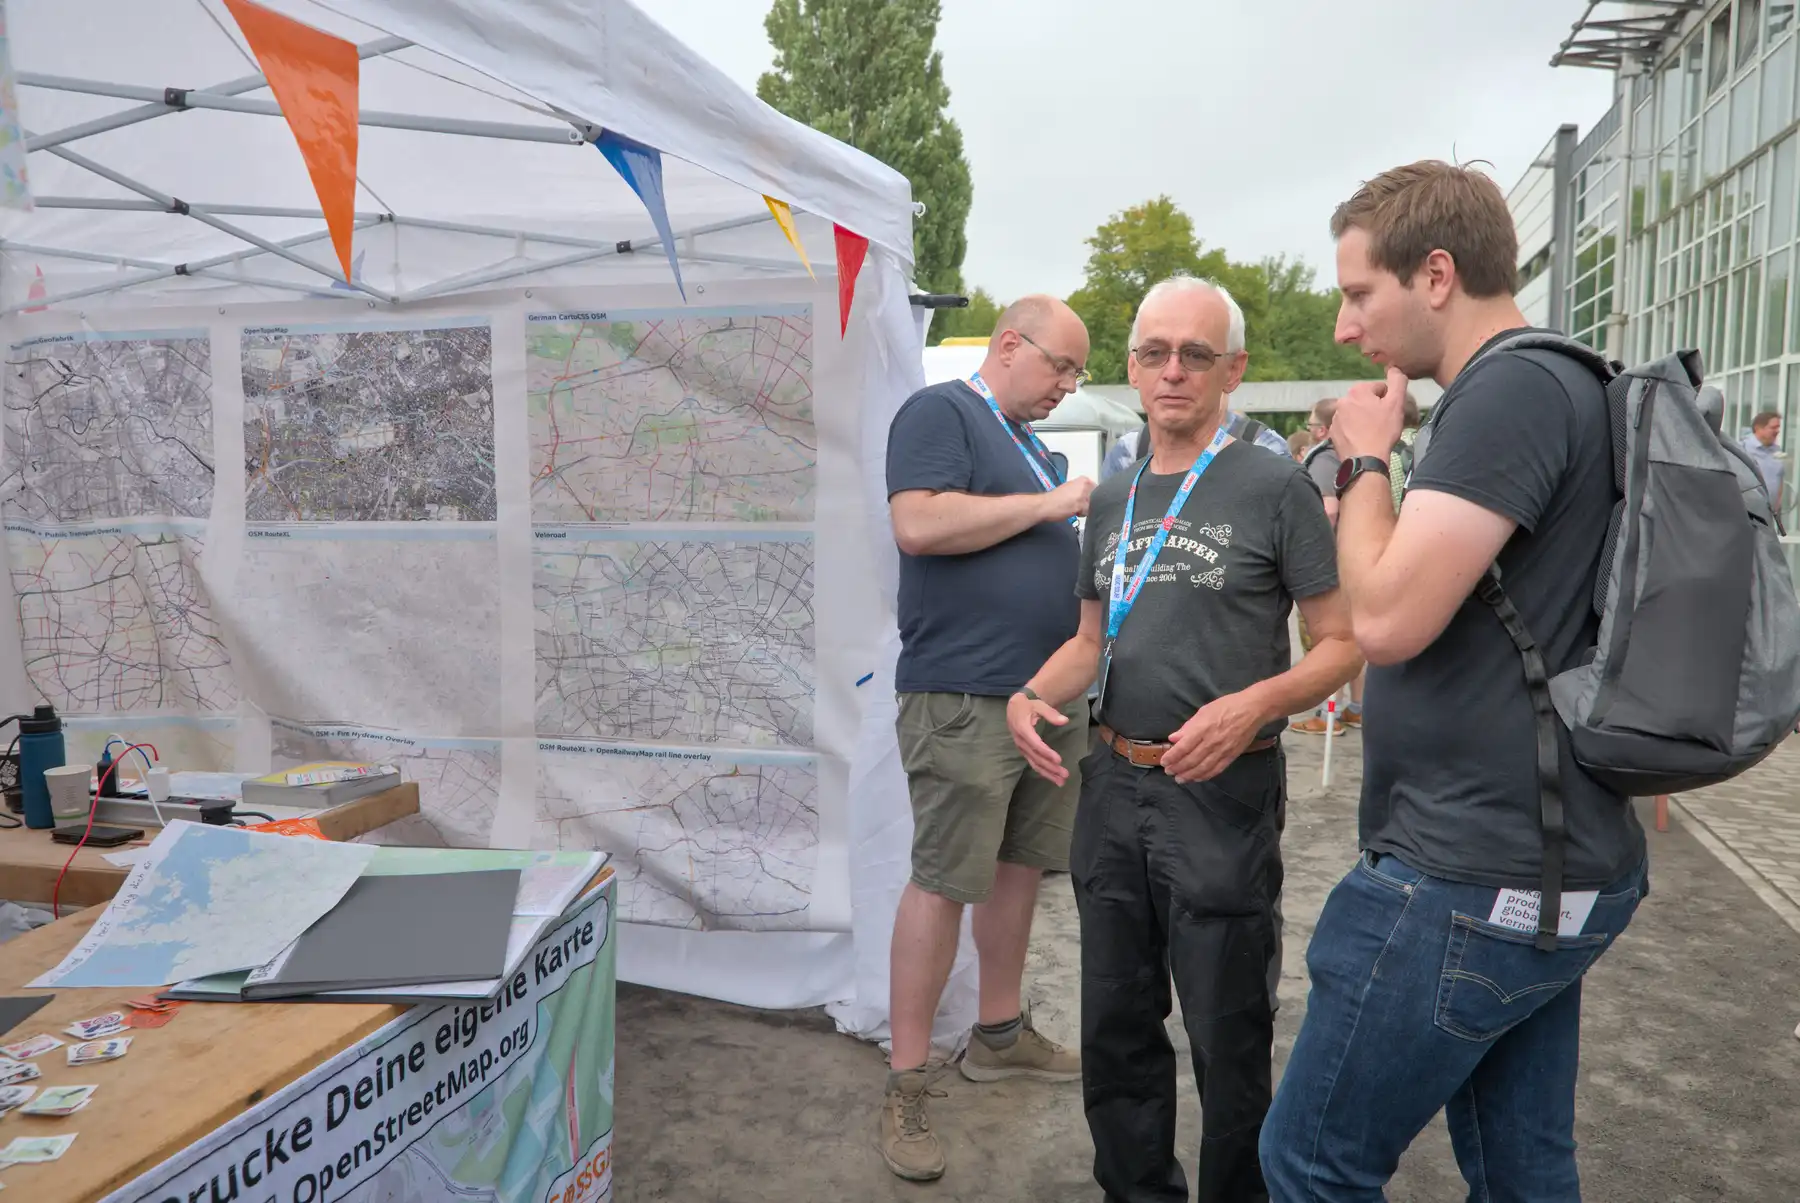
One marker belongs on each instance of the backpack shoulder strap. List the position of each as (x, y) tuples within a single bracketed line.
[(1549, 766), (1252, 430), (1143, 443)]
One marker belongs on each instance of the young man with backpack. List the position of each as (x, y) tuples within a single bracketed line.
[(1538, 663), (1467, 1013)]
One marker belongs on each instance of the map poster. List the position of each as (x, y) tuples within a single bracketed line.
[(510, 1100)]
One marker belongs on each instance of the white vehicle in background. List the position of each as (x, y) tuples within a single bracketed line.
[(1078, 432)]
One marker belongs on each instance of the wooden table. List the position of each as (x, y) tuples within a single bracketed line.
[(30, 859), (177, 1084)]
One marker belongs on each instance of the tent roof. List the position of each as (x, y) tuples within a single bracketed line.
[(553, 71)]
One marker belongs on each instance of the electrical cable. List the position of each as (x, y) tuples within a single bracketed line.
[(93, 806), (145, 779), (255, 814)]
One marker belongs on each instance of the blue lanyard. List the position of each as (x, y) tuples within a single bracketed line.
[(1046, 478), (1124, 596)]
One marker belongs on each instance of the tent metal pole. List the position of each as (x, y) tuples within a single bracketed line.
[(176, 99), (233, 87), (205, 218), (784, 266), (496, 274), (56, 252), (323, 294), (124, 205), (161, 274)]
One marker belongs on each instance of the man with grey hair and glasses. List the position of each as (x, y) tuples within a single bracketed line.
[(1190, 566), (1128, 449)]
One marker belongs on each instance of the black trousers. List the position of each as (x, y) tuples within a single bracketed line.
[(1177, 881)]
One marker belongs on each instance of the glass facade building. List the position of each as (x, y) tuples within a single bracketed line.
[(1672, 222)]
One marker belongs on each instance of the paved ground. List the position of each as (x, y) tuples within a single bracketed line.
[(1690, 1069)]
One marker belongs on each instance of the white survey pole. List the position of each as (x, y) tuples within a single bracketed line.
[(1330, 736)]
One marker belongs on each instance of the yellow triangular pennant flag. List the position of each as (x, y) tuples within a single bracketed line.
[(784, 217)]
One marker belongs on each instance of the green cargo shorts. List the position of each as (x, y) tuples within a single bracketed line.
[(975, 801)]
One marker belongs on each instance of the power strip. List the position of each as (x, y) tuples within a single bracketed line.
[(139, 812)]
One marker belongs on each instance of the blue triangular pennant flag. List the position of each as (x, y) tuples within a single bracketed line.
[(355, 273), (641, 167)]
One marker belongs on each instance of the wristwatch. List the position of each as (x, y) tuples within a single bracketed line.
[(1350, 469)]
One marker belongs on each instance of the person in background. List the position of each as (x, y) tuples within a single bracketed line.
[(1134, 446), (1763, 444), (1299, 443), (988, 545), (1202, 549), (1321, 468)]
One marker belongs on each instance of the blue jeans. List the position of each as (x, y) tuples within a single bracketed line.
[(1418, 1003)]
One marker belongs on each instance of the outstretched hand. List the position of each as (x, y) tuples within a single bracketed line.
[(1022, 715)]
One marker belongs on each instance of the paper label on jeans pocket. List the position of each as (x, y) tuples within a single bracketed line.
[(1518, 910)]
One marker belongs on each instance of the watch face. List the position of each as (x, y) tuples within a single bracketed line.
[(1350, 469)]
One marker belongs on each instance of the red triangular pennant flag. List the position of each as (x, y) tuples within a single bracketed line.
[(315, 80), (37, 292), (852, 249)]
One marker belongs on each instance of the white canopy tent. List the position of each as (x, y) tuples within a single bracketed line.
[(165, 178)]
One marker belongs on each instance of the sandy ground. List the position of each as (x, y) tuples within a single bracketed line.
[(1690, 1079)]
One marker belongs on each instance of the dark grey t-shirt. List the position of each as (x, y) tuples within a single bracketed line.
[(1449, 751), (980, 623), (1212, 617)]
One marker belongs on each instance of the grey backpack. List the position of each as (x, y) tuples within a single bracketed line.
[(1695, 675)]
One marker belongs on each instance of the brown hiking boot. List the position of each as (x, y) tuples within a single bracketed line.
[(908, 1144), (1032, 1055)]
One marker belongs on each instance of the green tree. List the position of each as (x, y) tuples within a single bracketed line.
[(865, 72), (1287, 324), (1302, 325), (976, 321)]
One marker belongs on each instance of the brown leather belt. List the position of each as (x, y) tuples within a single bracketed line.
[(1149, 755)]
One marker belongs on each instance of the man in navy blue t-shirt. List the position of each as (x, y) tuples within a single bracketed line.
[(988, 554)]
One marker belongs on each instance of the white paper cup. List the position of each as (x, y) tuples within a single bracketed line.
[(70, 792)]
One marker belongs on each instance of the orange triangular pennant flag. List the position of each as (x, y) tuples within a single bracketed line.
[(314, 77), (784, 217), (852, 249)]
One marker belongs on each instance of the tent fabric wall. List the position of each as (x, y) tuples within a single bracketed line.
[(442, 216)]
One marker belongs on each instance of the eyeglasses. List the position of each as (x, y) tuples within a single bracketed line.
[(1195, 357), (1061, 366)]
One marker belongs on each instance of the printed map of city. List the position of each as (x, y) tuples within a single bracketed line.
[(672, 419), (100, 428), (690, 642), (714, 841), (369, 425), (118, 622)]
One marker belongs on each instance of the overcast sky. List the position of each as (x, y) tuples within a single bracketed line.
[(1256, 118)]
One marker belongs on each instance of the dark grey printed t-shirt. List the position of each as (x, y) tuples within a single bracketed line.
[(1212, 618), (1450, 748), (980, 623)]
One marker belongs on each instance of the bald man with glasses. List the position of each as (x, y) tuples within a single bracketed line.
[(988, 547)]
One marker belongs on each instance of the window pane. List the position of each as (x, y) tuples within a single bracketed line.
[(1780, 18), (1712, 141), (1751, 299), (1777, 91), (1781, 195), (1743, 117), (1718, 51), (1687, 165), (1775, 305), (1693, 76), (1749, 25)]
